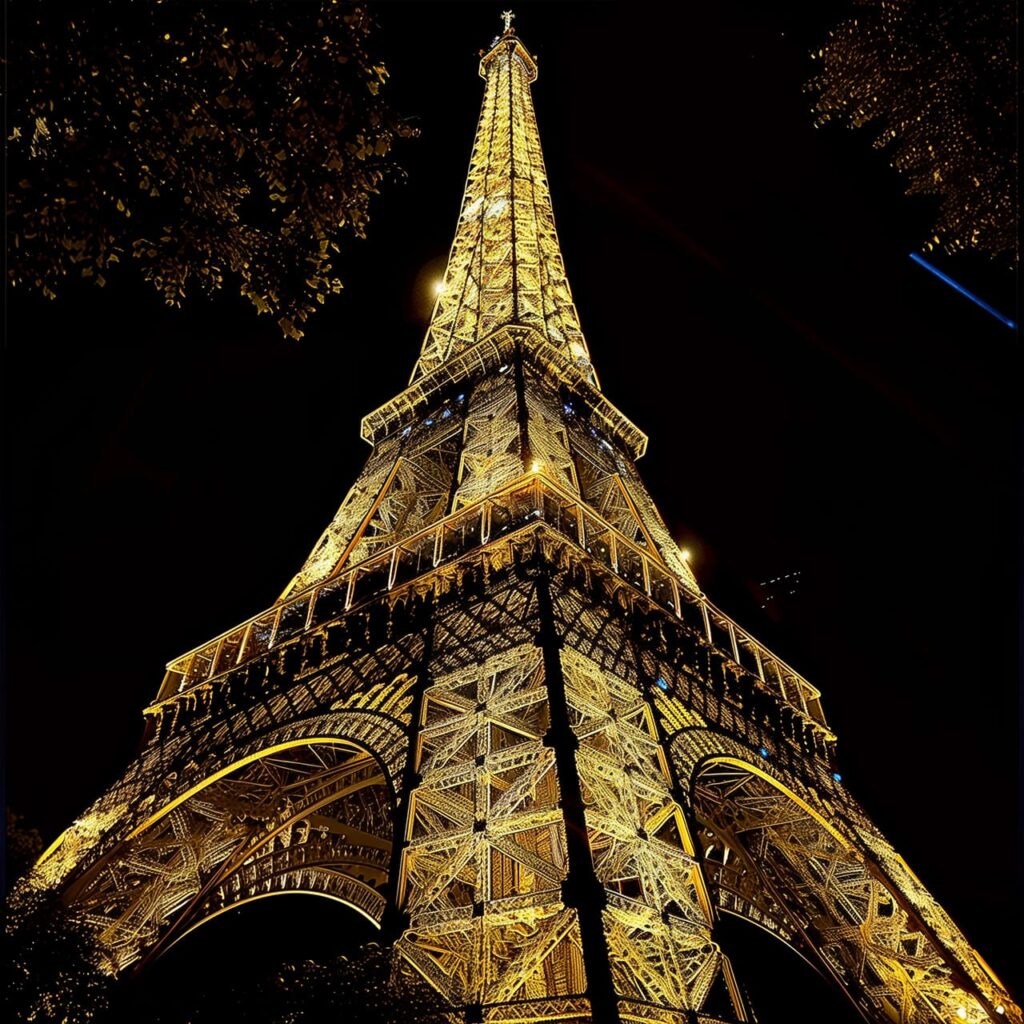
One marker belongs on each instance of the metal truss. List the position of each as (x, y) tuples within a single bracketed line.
[(868, 926), (338, 699), (486, 860), (658, 916), (505, 264), (486, 855), (491, 456), (494, 714), (310, 818)]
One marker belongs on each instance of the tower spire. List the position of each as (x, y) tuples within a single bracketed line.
[(505, 265), (504, 372)]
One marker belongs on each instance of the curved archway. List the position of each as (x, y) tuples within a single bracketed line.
[(801, 878), (314, 815), (256, 897), (241, 963)]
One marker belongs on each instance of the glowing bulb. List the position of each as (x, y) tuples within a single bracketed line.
[(685, 553), (961, 1012), (438, 287), (1000, 1009), (535, 466)]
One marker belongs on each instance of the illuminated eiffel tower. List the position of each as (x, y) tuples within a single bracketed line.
[(494, 714)]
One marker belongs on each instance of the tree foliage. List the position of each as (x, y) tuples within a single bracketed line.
[(52, 963), (53, 974), (374, 986), (371, 986), (205, 143), (939, 80), (23, 845)]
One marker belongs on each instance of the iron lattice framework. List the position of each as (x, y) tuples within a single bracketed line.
[(494, 714)]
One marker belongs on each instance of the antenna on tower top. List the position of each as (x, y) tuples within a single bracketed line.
[(508, 16)]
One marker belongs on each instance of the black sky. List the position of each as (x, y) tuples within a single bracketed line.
[(814, 402)]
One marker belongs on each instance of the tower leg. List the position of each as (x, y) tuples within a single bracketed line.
[(835, 888)]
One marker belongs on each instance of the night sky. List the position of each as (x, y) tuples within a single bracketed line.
[(815, 403)]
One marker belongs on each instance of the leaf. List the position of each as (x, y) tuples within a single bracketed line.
[(288, 328)]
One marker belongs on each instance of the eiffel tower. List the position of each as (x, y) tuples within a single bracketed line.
[(494, 714)]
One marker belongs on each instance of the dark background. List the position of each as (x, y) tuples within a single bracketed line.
[(815, 403)]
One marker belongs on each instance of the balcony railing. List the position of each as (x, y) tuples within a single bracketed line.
[(521, 505)]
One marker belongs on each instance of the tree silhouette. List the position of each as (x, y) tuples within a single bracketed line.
[(52, 962), (23, 846), (370, 986), (939, 81), (227, 141), (374, 986)]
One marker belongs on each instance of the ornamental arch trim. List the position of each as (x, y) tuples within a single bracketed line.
[(312, 814), (126, 808), (265, 896)]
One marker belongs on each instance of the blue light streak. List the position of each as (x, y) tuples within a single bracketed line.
[(963, 291)]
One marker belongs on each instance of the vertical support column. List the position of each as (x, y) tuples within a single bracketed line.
[(394, 921), (522, 413), (582, 890), (679, 794)]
